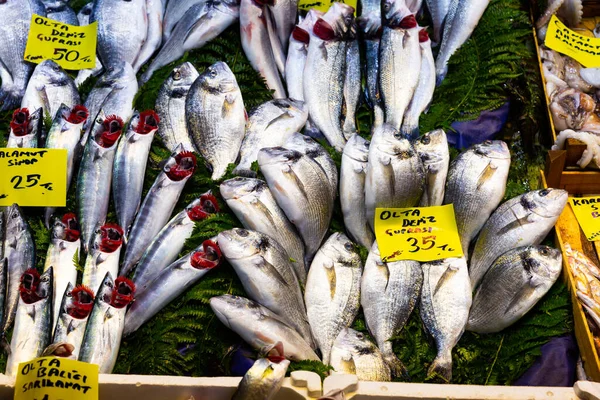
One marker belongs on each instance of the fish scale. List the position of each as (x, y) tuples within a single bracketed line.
[(352, 88)]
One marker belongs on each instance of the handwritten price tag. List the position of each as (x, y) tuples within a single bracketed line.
[(587, 212), (51, 378), (419, 233), (33, 177), (584, 49), (323, 5), (72, 47)]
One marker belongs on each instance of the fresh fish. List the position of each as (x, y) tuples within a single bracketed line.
[(395, 174), (169, 242), (103, 256), (25, 129), (297, 52), (155, 12), (325, 71), (65, 133), (33, 321), (201, 23), (438, 9), (216, 117), (461, 20), (122, 30), (130, 166), (352, 88), (433, 150), (399, 62), (19, 251), (170, 105), (260, 327), (254, 17), (84, 19), (59, 10), (63, 252), (158, 206), (370, 25), (352, 353), (254, 205), (267, 275), (74, 310), (170, 282), (297, 184), (352, 190), (95, 175), (113, 94), (521, 221), (15, 18), (475, 186), (424, 90), (389, 292), (174, 12), (332, 291), (445, 302), (102, 337), (516, 281), (263, 380), (269, 125)]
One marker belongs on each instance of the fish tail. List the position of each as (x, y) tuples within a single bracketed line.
[(245, 172), (48, 216), (410, 129), (440, 74), (442, 366), (396, 367)]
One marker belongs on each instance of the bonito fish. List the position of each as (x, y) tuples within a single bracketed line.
[(25, 129), (433, 150), (352, 353), (103, 256)]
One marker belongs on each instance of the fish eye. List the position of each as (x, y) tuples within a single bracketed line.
[(212, 73), (45, 278), (487, 142), (397, 135), (243, 232), (69, 294), (426, 139), (177, 75), (107, 283), (360, 335), (544, 251), (544, 192), (386, 6), (348, 246)]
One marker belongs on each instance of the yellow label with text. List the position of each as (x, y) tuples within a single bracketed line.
[(587, 212), (53, 378), (418, 233), (33, 177), (323, 5), (71, 47), (584, 49)]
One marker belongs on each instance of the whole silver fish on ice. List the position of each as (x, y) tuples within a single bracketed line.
[(433, 150), (352, 353)]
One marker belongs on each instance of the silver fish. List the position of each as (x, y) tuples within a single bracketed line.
[(438, 9), (103, 256), (83, 16), (122, 30), (15, 18), (102, 337), (201, 23), (370, 24), (516, 281), (352, 88), (33, 322), (424, 90), (257, 44), (64, 248), (333, 291), (325, 70), (462, 18), (260, 327), (158, 205), (216, 117), (297, 184), (59, 10), (254, 205), (153, 40), (129, 167), (170, 106), (262, 381), (395, 174), (475, 186), (269, 125), (352, 353), (74, 310), (267, 275), (174, 12), (352, 190), (170, 282), (95, 175), (25, 129), (445, 303), (521, 221), (389, 293), (279, 52), (433, 151), (169, 242), (19, 251)]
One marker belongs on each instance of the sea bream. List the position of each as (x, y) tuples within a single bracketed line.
[(263, 380), (433, 150), (25, 129), (352, 353), (296, 55), (103, 256)]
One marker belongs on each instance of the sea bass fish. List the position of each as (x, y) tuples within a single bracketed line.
[(352, 353), (370, 24), (352, 88), (433, 150), (296, 55), (103, 256), (263, 380), (25, 129)]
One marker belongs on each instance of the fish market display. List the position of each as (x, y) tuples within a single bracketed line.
[(263, 380), (25, 128), (353, 353), (296, 55), (216, 117), (103, 256), (433, 150), (332, 291), (512, 286)]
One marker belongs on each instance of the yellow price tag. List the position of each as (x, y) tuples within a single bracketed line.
[(323, 5), (33, 177), (52, 378), (584, 49), (72, 47), (587, 212), (418, 233)]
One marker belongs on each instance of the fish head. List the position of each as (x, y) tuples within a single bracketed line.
[(49, 72), (542, 263), (302, 143), (15, 220), (356, 341), (570, 109), (34, 287), (80, 301), (545, 202), (184, 75), (108, 130), (302, 31), (337, 23), (66, 228), (492, 149), (208, 256), (357, 148), (393, 143), (111, 238), (146, 122), (19, 124), (239, 187), (432, 146), (295, 109), (203, 207), (397, 15), (341, 249), (180, 165), (104, 292), (218, 79), (123, 292), (77, 115), (234, 311), (278, 155), (239, 243), (83, 16)]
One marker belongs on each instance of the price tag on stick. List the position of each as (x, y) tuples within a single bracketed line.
[(33, 177), (52, 378), (418, 233), (587, 212)]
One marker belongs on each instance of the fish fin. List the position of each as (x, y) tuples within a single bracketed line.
[(486, 174), (227, 105), (266, 212), (441, 367), (385, 270), (132, 138), (32, 313), (262, 263), (290, 172), (396, 367), (349, 364), (529, 218), (70, 328), (44, 96), (199, 21), (385, 160), (282, 116), (448, 273), (330, 271), (524, 293), (60, 349)]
